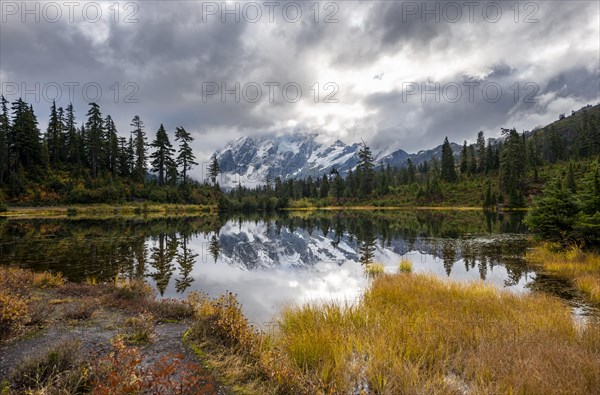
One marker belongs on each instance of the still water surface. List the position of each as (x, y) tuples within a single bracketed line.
[(271, 261)]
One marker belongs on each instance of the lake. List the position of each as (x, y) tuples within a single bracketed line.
[(270, 261)]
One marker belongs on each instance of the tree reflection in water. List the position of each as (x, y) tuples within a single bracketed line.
[(163, 248)]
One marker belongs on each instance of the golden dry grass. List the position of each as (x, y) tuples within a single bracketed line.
[(415, 334)]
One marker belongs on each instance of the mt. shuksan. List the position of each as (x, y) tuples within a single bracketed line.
[(251, 161), (254, 160)]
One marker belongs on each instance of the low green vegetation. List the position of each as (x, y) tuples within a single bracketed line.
[(408, 334)]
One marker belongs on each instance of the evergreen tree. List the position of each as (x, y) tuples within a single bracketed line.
[(185, 156), (590, 190), (139, 145), (512, 167), (112, 150), (570, 181), (214, 169), (4, 142), (481, 152), (364, 170), (172, 173), (338, 186), (123, 158), (553, 213), (472, 160), (588, 221), (54, 136), (71, 137), (95, 138), (24, 137), (162, 155), (324, 188), (487, 197), (464, 159), (448, 169), (554, 146), (410, 171)]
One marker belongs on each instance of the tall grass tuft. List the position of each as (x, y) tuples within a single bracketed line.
[(374, 269), (405, 266)]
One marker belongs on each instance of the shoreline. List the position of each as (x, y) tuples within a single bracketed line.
[(155, 209), (100, 210)]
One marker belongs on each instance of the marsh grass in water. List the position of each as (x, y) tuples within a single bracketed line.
[(579, 266), (408, 334), (374, 269), (405, 266)]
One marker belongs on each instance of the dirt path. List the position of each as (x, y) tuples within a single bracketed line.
[(94, 336)]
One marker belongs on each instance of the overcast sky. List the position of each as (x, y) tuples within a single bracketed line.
[(396, 74)]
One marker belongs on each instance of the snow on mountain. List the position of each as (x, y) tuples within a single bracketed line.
[(250, 161)]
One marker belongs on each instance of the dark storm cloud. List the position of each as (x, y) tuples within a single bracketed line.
[(171, 52)]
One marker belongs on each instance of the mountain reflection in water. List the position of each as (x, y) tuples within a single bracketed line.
[(270, 261)]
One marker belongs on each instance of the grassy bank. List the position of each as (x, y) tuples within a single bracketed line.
[(409, 334), (580, 267), (107, 210)]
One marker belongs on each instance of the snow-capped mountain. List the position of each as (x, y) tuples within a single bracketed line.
[(254, 160), (251, 161)]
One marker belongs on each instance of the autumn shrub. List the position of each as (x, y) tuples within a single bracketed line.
[(14, 313), (121, 372), (171, 309), (139, 329), (81, 310), (15, 280), (133, 290), (222, 318), (47, 280)]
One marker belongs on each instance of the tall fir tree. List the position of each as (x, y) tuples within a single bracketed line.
[(71, 137), (112, 145), (214, 169), (25, 138), (139, 146), (185, 156), (513, 166), (448, 167), (365, 170), (54, 136), (4, 140), (481, 152), (464, 159), (96, 146), (162, 155)]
